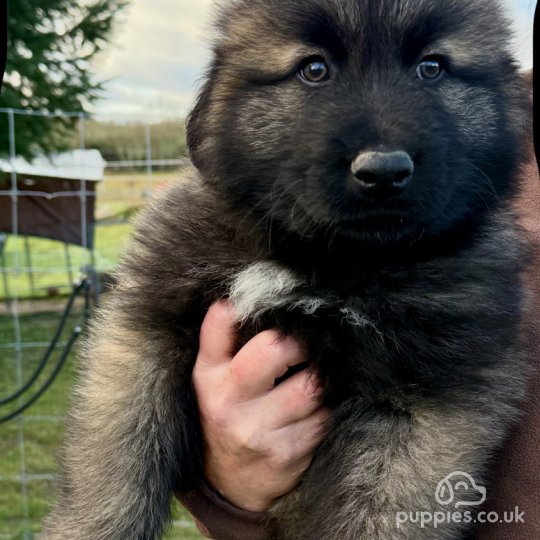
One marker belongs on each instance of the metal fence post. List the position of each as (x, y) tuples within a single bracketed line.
[(27, 535), (148, 137)]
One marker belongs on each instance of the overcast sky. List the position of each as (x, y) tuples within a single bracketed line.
[(160, 50)]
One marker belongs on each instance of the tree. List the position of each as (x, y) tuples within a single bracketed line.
[(50, 47)]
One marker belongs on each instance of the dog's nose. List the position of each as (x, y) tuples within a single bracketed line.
[(382, 173)]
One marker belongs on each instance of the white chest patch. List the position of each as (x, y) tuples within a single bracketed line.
[(265, 285), (261, 287)]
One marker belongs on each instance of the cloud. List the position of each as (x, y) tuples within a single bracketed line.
[(161, 48), (156, 58)]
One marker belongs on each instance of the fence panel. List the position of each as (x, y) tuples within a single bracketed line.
[(37, 275)]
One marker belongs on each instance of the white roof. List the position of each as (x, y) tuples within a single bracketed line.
[(72, 165)]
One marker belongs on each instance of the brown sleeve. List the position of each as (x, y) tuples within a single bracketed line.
[(218, 519), (516, 475)]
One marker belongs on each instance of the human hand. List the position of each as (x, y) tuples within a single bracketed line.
[(259, 438)]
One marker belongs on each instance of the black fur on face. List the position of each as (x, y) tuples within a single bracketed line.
[(283, 147)]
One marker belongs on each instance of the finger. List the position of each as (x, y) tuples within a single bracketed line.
[(309, 432), (295, 399), (261, 361), (297, 469), (216, 339), (302, 438)]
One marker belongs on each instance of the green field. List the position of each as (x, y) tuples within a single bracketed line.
[(29, 446)]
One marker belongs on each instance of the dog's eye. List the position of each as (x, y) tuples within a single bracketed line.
[(430, 69), (315, 70)]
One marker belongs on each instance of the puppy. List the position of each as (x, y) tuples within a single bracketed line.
[(353, 165)]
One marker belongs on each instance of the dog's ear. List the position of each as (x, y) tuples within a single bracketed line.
[(197, 125)]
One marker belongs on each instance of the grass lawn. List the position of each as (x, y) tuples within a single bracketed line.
[(29, 445)]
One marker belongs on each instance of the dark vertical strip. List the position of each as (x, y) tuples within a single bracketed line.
[(3, 38), (536, 83)]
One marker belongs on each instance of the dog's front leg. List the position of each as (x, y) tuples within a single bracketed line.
[(132, 438)]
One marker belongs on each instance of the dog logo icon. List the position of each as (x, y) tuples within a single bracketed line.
[(456, 483)]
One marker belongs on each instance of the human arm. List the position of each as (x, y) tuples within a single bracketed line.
[(259, 437)]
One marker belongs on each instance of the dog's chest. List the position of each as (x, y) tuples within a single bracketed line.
[(399, 330)]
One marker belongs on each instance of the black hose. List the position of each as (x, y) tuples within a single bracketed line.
[(50, 348), (59, 365)]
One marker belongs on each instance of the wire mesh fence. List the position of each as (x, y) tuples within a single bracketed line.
[(60, 229)]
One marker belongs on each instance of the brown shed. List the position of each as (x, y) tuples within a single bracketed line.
[(53, 193)]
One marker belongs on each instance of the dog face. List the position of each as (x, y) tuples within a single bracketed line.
[(380, 120)]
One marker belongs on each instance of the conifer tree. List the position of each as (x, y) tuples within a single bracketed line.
[(51, 44)]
